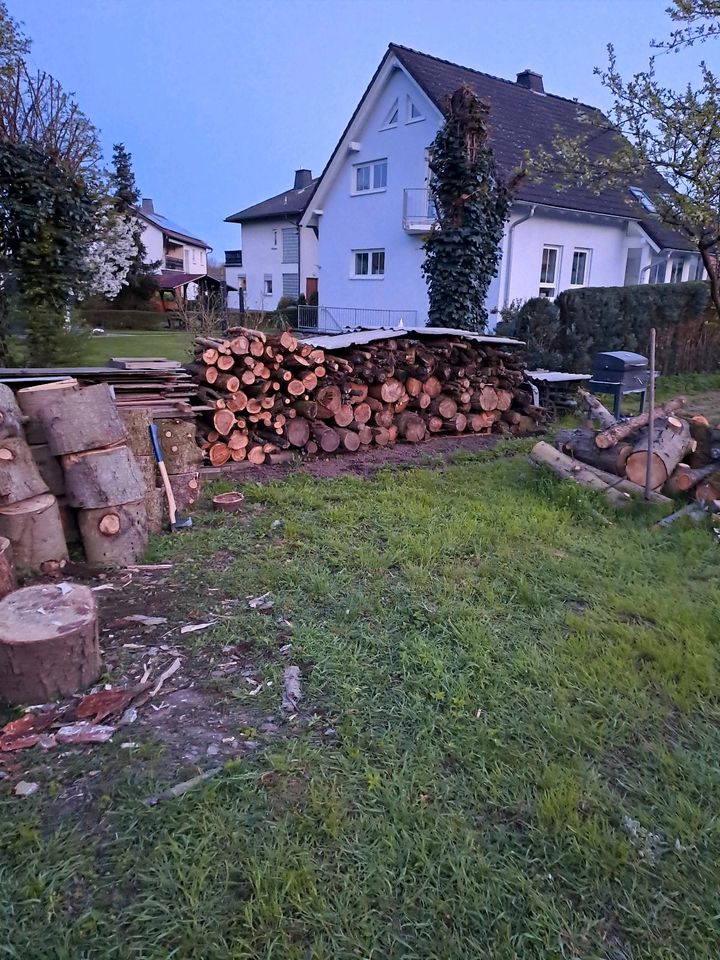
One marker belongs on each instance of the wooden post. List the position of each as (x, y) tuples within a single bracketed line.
[(651, 421)]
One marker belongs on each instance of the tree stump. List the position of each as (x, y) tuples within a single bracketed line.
[(186, 489), (50, 469), (35, 530), (12, 419), (80, 420), (34, 399), (179, 447), (102, 478), (19, 474), (155, 505), (114, 536), (48, 643), (137, 424), (8, 579)]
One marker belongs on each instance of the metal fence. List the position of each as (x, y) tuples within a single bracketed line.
[(341, 319)]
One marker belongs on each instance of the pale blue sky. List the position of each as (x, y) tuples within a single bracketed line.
[(220, 100)]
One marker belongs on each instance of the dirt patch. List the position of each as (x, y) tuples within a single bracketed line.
[(706, 405)]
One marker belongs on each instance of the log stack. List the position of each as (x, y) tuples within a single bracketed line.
[(270, 395), (684, 456)]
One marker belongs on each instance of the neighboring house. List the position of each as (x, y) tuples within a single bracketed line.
[(180, 258), (278, 256), (372, 211)]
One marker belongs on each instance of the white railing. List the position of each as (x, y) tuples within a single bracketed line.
[(340, 319), (419, 212)]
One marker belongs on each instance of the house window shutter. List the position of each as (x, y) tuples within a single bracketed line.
[(290, 246), (291, 285)]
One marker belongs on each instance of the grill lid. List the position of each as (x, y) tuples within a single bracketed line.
[(619, 360)]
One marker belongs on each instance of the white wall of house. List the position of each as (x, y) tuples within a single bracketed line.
[(152, 239), (269, 267), (194, 257)]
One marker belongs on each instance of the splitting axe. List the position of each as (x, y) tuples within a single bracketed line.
[(176, 522)]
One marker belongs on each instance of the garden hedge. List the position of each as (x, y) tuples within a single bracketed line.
[(124, 319)]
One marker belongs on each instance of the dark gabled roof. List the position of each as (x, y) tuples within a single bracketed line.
[(290, 204), (665, 237), (521, 119), (171, 229)]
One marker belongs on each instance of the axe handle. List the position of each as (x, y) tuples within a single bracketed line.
[(169, 495)]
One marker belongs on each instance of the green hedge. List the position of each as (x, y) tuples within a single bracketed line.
[(620, 318), (124, 319)]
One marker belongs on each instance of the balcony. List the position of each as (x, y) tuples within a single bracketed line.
[(419, 213), (174, 263), (343, 319)]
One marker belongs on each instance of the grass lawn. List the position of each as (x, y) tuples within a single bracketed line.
[(512, 751), (171, 344)]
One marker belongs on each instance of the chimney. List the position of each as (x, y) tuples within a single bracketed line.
[(531, 80), (302, 178), (147, 205)]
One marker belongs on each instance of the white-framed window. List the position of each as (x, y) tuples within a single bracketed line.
[(368, 264), (392, 116), (267, 285), (274, 239), (580, 270), (370, 177), (699, 269), (677, 265), (549, 271), (657, 270), (412, 113), (643, 199)]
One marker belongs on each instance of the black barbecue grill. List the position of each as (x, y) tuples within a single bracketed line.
[(620, 372)]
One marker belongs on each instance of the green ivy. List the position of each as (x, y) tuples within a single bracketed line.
[(472, 202)]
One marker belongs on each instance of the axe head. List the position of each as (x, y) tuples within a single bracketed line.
[(181, 523)]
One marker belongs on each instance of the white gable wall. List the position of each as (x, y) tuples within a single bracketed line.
[(152, 239)]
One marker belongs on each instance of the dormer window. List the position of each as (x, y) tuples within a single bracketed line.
[(413, 113), (643, 199), (392, 117)]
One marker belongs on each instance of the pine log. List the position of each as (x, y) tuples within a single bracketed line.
[(456, 423), (298, 431), (219, 453), (329, 397), (627, 486), (685, 478), (229, 382), (49, 644), (355, 391), (178, 444), (186, 489), (308, 408), (8, 578), (389, 392), (611, 436), (432, 386), (488, 399), (344, 415), (381, 436), (598, 411), (12, 419), (708, 444), (225, 363), (114, 536), (565, 467), (327, 438), (223, 421), (349, 440), (444, 406), (296, 388), (363, 431), (362, 412), (411, 427), (580, 444), (102, 478), (34, 528), (670, 444), (50, 469), (19, 474), (256, 455), (34, 399), (83, 419)]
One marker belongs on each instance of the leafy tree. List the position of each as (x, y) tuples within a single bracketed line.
[(14, 45), (655, 129), (472, 203)]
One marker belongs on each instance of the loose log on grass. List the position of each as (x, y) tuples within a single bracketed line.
[(567, 468), (685, 478), (114, 536), (580, 443), (102, 478), (83, 419), (613, 435), (19, 474), (48, 643), (34, 528)]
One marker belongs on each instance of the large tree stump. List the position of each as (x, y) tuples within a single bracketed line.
[(155, 506), (12, 419), (48, 643), (671, 441), (102, 478), (80, 420), (179, 446), (137, 425), (35, 530), (19, 474), (34, 399), (50, 469), (8, 579), (114, 536)]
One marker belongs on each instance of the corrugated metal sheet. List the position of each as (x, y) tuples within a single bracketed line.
[(554, 376), (361, 337)]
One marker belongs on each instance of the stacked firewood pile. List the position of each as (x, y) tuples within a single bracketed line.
[(270, 394), (684, 455)]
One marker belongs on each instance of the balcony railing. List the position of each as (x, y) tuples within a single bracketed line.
[(419, 213), (174, 263), (341, 319)]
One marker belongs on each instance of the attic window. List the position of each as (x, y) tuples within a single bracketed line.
[(392, 117), (643, 199), (413, 113)]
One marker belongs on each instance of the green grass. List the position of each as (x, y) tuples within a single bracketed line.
[(171, 344), (508, 678)]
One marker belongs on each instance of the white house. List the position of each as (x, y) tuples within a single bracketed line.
[(278, 256), (371, 208), (180, 258)]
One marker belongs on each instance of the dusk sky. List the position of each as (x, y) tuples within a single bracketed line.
[(220, 100)]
